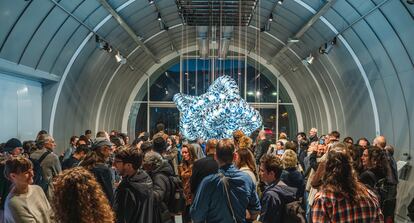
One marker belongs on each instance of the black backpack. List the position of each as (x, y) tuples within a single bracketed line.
[(38, 178), (176, 200), (293, 211)]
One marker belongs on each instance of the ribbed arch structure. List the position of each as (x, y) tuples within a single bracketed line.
[(363, 87)]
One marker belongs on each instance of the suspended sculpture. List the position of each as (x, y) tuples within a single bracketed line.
[(217, 113)]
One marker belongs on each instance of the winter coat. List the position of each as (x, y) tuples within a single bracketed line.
[(133, 200)]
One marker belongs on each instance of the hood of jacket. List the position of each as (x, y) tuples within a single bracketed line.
[(165, 169), (140, 181)]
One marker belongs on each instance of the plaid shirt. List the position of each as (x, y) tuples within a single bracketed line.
[(334, 207)]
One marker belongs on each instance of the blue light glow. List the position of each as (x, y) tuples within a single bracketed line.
[(217, 113)]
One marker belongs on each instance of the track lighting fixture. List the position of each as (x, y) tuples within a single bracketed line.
[(308, 60), (107, 47), (280, 2), (327, 47), (120, 59), (271, 17), (151, 2), (159, 17), (99, 43)]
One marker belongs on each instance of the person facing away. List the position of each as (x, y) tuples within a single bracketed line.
[(341, 197), (25, 202), (159, 170), (210, 203), (50, 164), (205, 166), (276, 194), (133, 200), (96, 162), (78, 197)]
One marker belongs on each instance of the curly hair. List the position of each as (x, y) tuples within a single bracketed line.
[(237, 136), (378, 162), (289, 159), (339, 175), (78, 197), (245, 142)]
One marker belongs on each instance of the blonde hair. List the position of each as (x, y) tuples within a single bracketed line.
[(78, 197), (289, 159), (245, 142)]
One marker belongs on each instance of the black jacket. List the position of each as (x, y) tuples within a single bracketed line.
[(273, 202), (104, 177), (133, 201), (202, 168), (293, 178), (162, 191)]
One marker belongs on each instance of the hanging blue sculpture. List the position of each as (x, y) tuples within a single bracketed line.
[(217, 113)]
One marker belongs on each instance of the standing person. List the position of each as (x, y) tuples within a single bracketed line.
[(313, 135), (209, 206), (262, 145), (78, 155), (160, 170), (185, 171), (205, 166), (133, 200), (171, 153), (79, 198), (290, 174), (25, 202), (72, 147), (276, 194), (245, 162), (342, 198), (96, 162), (48, 160), (88, 134)]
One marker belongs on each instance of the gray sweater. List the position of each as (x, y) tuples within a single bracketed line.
[(27, 208), (50, 167)]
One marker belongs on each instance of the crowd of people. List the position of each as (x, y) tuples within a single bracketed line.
[(308, 178)]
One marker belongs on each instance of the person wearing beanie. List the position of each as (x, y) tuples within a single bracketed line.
[(14, 147)]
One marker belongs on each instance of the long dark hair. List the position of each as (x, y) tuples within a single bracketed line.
[(340, 176), (378, 162), (245, 158)]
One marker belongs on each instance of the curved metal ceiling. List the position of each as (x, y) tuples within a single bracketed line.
[(362, 87)]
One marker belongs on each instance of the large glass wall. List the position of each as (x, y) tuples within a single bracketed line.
[(153, 103)]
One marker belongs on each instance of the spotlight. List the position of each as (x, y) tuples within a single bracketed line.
[(107, 47), (99, 43), (411, 2), (159, 17), (120, 59), (271, 17), (151, 2), (280, 2), (292, 40), (161, 24), (308, 60)]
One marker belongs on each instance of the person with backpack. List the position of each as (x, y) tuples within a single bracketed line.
[(48, 161), (160, 172), (133, 199), (229, 196), (277, 195), (185, 171)]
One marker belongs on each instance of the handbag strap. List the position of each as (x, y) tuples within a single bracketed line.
[(225, 183)]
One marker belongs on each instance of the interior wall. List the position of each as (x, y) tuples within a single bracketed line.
[(20, 108)]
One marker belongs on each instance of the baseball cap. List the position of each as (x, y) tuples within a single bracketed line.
[(12, 144)]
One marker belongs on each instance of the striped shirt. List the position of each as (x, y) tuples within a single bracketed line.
[(335, 207)]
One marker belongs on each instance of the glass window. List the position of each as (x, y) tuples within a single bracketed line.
[(141, 120), (142, 94), (165, 85), (287, 120), (269, 120), (170, 117), (283, 95), (259, 87)]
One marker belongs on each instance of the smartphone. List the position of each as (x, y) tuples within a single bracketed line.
[(322, 141), (280, 152)]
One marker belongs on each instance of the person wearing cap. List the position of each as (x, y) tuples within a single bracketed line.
[(96, 162), (48, 160), (14, 147)]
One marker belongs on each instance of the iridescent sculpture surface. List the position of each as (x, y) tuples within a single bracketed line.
[(217, 113)]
